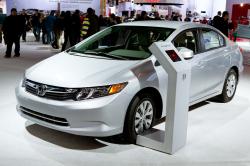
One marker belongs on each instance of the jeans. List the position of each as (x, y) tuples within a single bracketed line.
[(50, 37), (37, 31), (56, 42)]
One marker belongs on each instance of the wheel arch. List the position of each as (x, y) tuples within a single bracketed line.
[(156, 96), (236, 69)]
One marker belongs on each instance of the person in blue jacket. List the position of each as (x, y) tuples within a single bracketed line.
[(49, 26)]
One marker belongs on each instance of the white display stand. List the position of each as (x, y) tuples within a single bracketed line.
[(179, 77)]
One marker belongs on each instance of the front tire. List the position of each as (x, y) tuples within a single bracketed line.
[(229, 87), (140, 116)]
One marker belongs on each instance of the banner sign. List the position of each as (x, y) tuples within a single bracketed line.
[(72, 1), (169, 2)]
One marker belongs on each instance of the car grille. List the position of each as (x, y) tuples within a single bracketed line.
[(50, 92), (43, 117)]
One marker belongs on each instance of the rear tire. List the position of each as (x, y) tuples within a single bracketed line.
[(230, 86), (140, 116)]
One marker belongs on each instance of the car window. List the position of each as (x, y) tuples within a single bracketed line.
[(211, 39), (222, 40), (187, 39), (128, 42), (113, 39)]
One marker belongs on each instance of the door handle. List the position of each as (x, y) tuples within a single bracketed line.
[(201, 64)]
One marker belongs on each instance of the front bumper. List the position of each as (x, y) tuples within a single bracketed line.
[(99, 117)]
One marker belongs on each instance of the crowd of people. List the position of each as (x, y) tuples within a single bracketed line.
[(220, 21), (76, 26)]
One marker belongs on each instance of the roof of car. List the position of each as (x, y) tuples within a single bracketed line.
[(165, 24)]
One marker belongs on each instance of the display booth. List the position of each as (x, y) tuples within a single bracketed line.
[(177, 105)]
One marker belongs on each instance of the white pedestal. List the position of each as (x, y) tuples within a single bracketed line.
[(179, 77)]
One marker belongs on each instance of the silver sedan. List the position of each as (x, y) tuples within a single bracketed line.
[(110, 83)]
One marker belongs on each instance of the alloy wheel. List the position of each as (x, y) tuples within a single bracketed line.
[(231, 85), (143, 116)]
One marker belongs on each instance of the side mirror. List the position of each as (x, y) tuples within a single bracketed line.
[(185, 52)]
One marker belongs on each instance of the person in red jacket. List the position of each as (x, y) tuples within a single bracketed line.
[(204, 21)]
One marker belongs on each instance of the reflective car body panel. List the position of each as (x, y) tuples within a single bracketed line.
[(105, 116)]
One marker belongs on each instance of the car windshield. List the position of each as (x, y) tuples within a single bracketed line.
[(123, 42)]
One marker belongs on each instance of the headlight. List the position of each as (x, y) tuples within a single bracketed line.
[(95, 92)]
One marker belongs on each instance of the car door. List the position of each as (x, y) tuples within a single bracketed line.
[(190, 39), (209, 66)]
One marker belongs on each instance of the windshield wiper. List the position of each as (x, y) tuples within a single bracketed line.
[(104, 54), (76, 51)]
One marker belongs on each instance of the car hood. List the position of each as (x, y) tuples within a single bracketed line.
[(65, 70)]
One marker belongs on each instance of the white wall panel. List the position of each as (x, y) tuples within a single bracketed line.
[(52, 4)]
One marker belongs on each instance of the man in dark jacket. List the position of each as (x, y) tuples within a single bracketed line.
[(143, 16), (58, 28), (24, 20), (12, 31), (75, 27), (217, 20), (67, 31), (36, 24), (224, 28)]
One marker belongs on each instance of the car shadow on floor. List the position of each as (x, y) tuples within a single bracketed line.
[(70, 141), (76, 142), (191, 108)]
